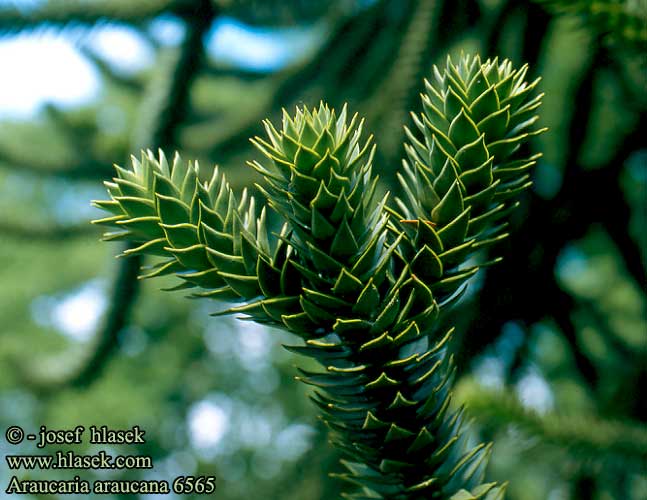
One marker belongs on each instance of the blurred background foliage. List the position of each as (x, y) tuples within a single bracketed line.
[(551, 345)]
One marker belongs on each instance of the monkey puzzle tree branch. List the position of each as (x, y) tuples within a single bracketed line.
[(361, 283)]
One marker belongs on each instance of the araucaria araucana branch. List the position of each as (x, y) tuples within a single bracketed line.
[(360, 281)]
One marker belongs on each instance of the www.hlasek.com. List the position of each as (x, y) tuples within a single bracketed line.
[(68, 460)]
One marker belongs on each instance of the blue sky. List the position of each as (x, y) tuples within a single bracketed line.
[(46, 65)]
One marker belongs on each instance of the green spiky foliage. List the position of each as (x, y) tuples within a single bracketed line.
[(209, 238), (362, 283), (464, 167)]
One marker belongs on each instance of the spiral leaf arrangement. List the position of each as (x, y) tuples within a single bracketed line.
[(361, 282)]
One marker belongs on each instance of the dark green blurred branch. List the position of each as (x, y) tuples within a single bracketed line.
[(613, 340), (109, 74), (538, 23), (616, 444), (433, 27), (166, 101), (122, 299), (617, 221), (279, 12), (240, 74), (81, 169), (624, 21), (493, 27), (76, 137), (66, 12), (44, 376), (41, 232), (73, 135), (399, 89)]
